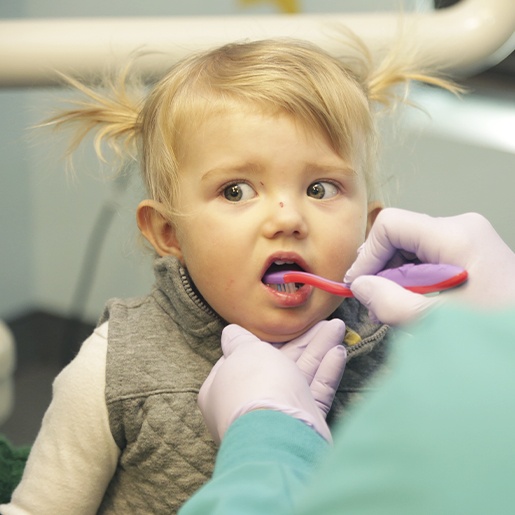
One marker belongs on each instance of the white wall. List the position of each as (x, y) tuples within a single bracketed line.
[(67, 206), (47, 218), (460, 159), (16, 209)]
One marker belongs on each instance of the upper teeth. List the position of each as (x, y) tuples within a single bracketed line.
[(280, 262)]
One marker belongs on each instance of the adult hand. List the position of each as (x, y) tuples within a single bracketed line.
[(467, 240), (299, 379)]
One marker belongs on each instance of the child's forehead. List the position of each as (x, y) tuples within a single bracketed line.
[(215, 111), (240, 112), (196, 137), (207, 109)]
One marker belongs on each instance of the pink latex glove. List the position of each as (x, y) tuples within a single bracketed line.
[(299, 379), (467, 240)]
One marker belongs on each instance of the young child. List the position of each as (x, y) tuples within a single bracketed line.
[(256, 156)]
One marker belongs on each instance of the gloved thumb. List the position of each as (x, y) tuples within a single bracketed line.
[(388, 302)]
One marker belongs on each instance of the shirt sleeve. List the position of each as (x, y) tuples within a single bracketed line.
[(265, 448), (437, 434), (74, 455)]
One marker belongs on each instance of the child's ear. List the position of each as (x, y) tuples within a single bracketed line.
[(157, 229), (374, 208)]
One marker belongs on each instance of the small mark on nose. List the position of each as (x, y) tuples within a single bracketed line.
[(281, 204)]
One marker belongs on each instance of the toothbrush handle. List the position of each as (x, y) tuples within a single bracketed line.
[(421, 278)]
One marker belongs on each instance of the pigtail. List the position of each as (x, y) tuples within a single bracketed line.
[(390, 82), (111, 112), (386, 81)]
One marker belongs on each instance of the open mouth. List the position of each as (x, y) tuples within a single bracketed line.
[(283, 266)]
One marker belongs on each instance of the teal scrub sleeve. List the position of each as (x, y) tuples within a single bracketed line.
[(438, 435), (264, 462)]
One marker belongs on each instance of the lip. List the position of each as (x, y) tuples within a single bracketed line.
[(285, 256), (291, 300)]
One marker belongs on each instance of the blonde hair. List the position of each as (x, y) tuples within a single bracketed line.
[(327, 94)]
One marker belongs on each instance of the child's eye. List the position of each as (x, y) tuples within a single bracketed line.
[(238, 191), (322, 190)]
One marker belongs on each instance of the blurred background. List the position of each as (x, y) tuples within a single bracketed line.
[(71, 243)]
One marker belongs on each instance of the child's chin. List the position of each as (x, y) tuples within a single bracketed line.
[(279, 336)]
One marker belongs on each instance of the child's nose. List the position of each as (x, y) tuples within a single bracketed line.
[(285, 218)]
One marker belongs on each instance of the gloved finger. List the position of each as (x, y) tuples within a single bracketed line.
[(309, 349), (327, 378), (328, 335), (389, 302), (393, 230), (206, 385), (234, 335), (293, 349)]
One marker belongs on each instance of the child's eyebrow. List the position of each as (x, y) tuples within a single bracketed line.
[(250, 168), (343, 169), (247, 168)]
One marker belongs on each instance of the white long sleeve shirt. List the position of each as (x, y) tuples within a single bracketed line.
[(81, 456)]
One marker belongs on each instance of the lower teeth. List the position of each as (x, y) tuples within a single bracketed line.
[(285, 288)]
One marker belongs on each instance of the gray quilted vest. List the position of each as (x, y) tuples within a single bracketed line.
[(160, 349)]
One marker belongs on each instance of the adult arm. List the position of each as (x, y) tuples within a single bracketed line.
[(74, 455)]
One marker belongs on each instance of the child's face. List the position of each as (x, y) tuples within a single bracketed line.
[(257, 189)]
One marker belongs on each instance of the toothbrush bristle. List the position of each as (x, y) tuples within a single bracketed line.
[(284, 287), (291, 288)]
